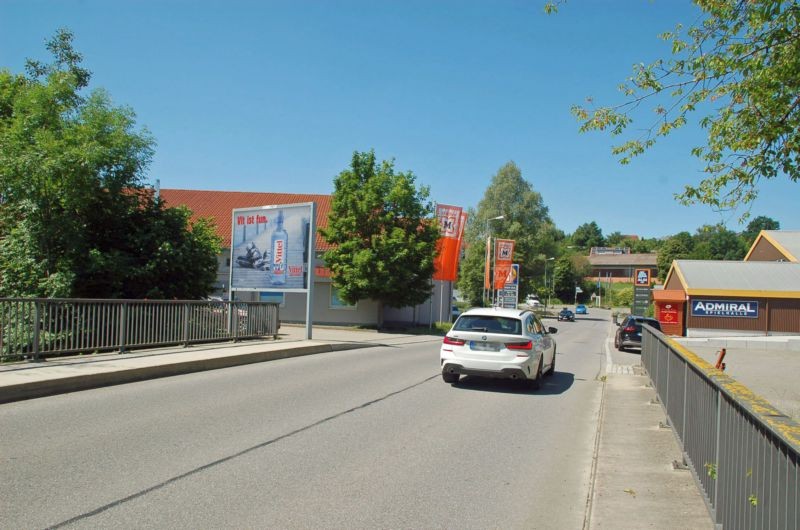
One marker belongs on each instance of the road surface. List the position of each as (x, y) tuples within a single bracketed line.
[(369, 438)]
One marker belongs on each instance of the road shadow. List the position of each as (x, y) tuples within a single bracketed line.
[(556, 384), (594, 319)]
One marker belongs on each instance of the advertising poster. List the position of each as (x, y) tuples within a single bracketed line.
[(270, 248), (446, 263), (508, 297), (503, 254)]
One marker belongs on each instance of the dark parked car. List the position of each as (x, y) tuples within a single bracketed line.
[(566, 314), (629, 333)]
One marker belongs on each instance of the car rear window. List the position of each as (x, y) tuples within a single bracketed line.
[(489, 323), (649, 321)]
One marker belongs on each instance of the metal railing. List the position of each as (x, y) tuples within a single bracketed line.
[(35, 328), (743, 452)]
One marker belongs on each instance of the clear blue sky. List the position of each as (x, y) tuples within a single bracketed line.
[(276, 96)]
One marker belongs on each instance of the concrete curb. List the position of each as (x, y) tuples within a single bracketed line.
[(121, 374)]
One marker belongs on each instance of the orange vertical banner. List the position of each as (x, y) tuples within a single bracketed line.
[(446, 263), (503, 256)]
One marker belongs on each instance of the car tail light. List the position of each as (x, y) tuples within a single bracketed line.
[(452, 341), (630, 329), (520, 345)]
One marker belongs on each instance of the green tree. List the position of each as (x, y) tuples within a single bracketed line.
[(383, 235), (679, 246), (74, 214), (525, 219), (739, 67), (615, 239), (718, 243), (755, 227), (588, 235)]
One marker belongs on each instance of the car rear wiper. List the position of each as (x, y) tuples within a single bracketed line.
[(485, 330)]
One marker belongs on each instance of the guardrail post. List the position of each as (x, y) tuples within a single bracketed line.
[(235, 318), (185, 325), (666, 389), (123, 325), (716, 453), (683, 428), (36, 329)]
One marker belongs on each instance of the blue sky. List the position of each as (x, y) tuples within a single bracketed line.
[(276, 96)]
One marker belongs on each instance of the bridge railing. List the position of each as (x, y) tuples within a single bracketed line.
[(743, 452), (36, 328)]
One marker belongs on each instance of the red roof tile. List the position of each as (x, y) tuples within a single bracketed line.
[(219, 205)]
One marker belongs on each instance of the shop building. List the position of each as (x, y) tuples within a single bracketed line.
[(757, 296), (328, 308)]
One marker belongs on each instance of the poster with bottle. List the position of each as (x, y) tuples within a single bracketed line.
[(270, 248)]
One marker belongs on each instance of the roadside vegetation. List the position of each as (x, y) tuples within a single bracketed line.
[(75, 217)]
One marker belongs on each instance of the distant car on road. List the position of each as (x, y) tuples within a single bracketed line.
[(532, 301), (629, 332), (566, 314), (580, 309), (498, 343)]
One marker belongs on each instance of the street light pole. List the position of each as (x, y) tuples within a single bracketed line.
[(546, 259), (490, 257)]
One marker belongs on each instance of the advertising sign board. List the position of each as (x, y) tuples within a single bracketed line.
[(641, 299), (504, 253), (725, 308), (641, 277), (509, 295), (270, 248)]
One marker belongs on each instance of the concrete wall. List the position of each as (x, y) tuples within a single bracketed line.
[(365, 312)]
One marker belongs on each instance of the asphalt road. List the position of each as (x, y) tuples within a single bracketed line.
[(369, 438)]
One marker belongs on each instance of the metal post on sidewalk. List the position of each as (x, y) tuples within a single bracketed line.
[(185, 325), (37, 324), (123, 329)]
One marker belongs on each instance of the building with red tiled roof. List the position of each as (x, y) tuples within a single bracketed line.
[(218, 205), (327, 308)]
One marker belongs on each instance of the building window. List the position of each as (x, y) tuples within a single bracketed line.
[(338, 303)]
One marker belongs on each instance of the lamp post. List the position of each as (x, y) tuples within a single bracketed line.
[(490, 257), (546, 259)]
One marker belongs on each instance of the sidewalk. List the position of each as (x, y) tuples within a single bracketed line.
[(20, 381), (634, 484)]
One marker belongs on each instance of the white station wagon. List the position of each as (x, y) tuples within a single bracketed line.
[(494, 342)]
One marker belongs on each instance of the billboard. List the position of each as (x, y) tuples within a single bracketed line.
[(271, 248)]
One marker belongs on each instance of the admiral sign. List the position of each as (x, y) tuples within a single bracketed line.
[(725, 308)]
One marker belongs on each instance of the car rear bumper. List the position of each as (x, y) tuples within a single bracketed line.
[(630, 343), (502, 373)]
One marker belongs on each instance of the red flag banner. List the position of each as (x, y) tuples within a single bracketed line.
[(448, 246), (503, 256)]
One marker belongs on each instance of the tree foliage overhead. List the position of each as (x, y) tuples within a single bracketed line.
[(383, 235), (739, 68), (75, 219), (526, 220)]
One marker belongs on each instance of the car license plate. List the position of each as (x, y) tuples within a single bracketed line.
[(482, 346)]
